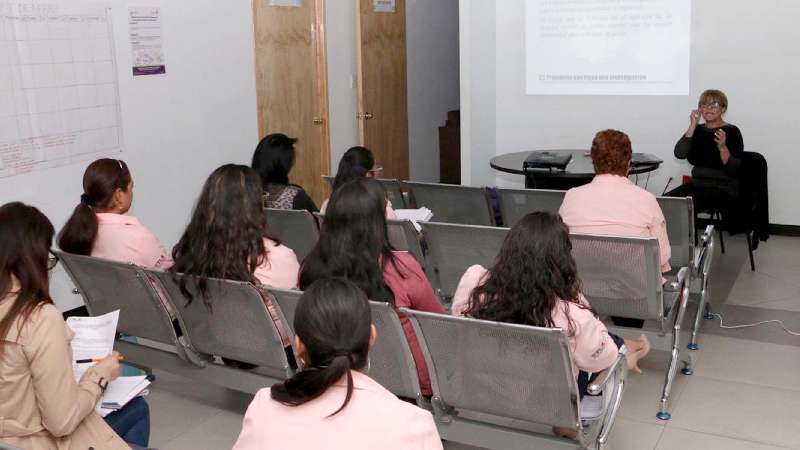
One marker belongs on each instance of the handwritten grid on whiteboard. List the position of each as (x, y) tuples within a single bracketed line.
[(59, 94)]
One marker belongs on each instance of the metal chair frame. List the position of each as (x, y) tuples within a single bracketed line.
[(446, 202), (458, 424)]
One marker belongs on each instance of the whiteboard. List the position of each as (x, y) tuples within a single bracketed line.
[(59, 96), (176, 128)]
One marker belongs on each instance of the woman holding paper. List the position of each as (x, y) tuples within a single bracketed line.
[(43, 406)]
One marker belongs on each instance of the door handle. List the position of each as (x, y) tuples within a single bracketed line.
[(364, 116), (318, 121)]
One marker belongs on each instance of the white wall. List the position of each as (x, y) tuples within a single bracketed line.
[(738, 46), (433, 70), (433, 88), (177, 127), (340, 23), (478, 109)]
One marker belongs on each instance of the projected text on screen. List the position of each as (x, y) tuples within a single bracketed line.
[(607, 47)]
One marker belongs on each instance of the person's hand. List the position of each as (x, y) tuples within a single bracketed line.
[(722, 144), (108, 367), (694, 117)]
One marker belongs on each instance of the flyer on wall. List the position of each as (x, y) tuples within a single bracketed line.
[(147, 45)]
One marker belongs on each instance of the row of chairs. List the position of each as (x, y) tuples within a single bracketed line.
[(445, 252), (493, 383)]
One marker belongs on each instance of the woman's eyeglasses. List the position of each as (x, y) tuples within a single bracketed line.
[(711, 106), (52, 260)]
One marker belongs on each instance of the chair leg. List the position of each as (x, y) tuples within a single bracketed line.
[(750, 251), (702, 311), (717, 218)]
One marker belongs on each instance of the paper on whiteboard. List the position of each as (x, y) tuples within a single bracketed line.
[(59, 96), (385, 6), (94, 338), (147, 42)]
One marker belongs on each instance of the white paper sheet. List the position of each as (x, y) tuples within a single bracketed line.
[(94, 338)]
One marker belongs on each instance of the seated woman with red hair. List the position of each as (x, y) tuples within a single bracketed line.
[(611, 204)]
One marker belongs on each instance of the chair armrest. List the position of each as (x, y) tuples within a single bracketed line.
[(706, 244), (602, 379)]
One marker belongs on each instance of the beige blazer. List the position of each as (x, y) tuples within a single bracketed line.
[(43, 407)]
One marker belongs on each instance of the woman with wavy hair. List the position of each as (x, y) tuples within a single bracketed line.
[(43, 406), (100, 226), (227, 236), (354, 244), (534, 281), (331, 396)]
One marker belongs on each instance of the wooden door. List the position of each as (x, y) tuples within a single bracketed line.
[(382, 95), (291, 79)]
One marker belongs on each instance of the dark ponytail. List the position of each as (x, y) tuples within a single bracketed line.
[(355, 163), (101, 179), (333, 320)]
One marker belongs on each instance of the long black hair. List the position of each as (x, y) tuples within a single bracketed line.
[(274, 158), (354, 242), (333, 321), (100, 181), (225, 237), (25, 238), (355, 163), (533, 271)]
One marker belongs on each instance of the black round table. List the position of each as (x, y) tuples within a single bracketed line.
[(579, 171)]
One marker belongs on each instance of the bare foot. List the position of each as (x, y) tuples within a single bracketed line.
[(637, 350)]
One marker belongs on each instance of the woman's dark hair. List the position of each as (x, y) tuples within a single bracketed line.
[(356, 163), (25, 238), (354, 241), (100, 181), (333, 320), (611, 152), (274, 158), (533, 271), (225, 236)]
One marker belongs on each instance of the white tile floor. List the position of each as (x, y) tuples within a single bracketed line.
[(744, 395)]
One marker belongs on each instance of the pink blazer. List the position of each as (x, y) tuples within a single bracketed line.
[(412, 290), (592, 348), (374, 419), (613, 205), (390, 214), (122, 238), (280, 269)]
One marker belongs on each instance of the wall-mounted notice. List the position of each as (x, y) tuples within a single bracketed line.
[(147, 43), (384, 6), (608, 47), (295, 3), (59, 100)]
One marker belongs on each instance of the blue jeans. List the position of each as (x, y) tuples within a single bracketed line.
[(132, 422)]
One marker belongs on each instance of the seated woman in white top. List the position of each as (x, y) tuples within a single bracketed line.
[(331, 403), (534, 281), (357, 162), (99, 225)]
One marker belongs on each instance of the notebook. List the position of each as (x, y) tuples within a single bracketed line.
[(547, 160), (120, 392), (415, 216)]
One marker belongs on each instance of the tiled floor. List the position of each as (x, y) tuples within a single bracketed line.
[(744, 395)]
